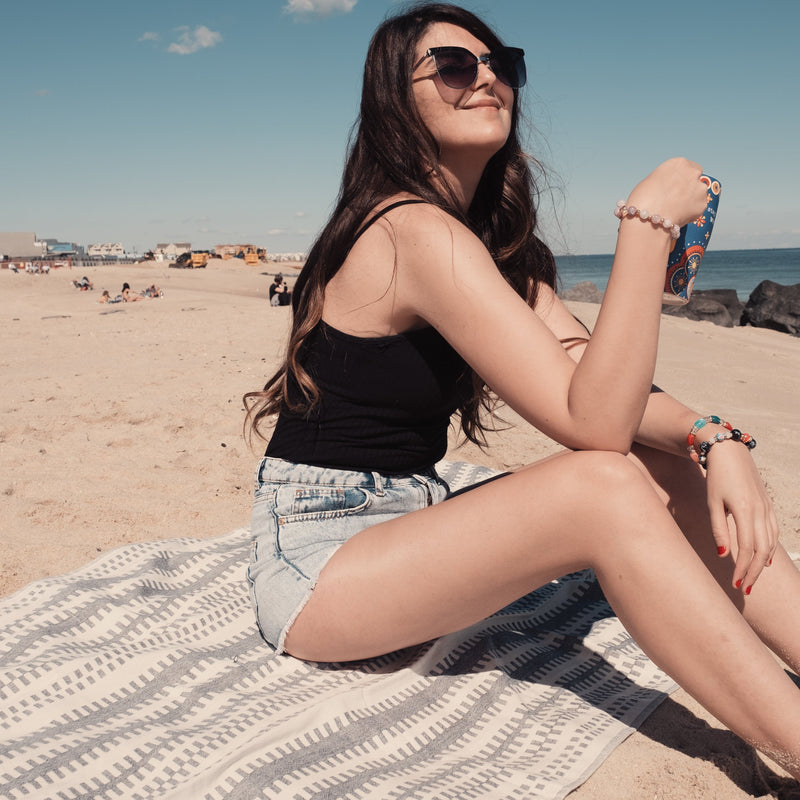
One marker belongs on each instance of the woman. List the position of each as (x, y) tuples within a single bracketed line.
[(128, 296), (429, 285)]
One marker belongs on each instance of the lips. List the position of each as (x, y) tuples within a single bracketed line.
[(484, 104)]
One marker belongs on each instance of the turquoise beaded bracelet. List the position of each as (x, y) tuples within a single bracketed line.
[(699, 452)]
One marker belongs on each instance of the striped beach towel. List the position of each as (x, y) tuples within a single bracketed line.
[(142, 675)]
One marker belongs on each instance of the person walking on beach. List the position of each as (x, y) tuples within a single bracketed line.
[(429, 292)]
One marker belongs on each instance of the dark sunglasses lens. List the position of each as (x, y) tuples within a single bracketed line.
[(457, 68), (508, 64)]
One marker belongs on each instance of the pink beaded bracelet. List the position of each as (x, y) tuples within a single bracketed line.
[(631, 212)]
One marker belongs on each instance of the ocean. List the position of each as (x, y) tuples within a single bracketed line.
[(741, 270)]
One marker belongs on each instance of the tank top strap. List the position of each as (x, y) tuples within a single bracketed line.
[(379, 214)]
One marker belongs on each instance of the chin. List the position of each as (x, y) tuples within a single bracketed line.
[(491, 145), (492, 137)]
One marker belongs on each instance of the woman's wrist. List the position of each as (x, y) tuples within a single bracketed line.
[(640, 260), (706, 432), (627, 210)]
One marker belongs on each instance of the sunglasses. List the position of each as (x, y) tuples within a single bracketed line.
[(458, 68)]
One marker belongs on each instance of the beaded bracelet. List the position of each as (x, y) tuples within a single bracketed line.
[(699, 452), (622, 211)]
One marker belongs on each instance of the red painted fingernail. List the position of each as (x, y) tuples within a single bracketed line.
[(721, 550), (748, 590), (738, 583)]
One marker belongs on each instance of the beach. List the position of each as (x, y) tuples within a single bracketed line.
[(123, 423)]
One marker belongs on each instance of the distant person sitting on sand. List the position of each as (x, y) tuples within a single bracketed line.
[(84, 284), (153, 291), (129, 296), (279, 294), (106, 298)]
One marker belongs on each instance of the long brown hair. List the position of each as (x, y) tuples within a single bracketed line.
[(392, 151)]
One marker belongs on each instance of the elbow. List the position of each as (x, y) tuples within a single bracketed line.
[(620, 446), (609, 425), (610, 445), (616, 439), (620, 441)]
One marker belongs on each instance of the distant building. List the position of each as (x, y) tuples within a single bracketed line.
[(222, 250), (56, 248), (292, 257), (170, 251), (21, 245), (107, 250)]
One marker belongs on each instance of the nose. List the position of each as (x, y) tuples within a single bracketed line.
[(485, 74)]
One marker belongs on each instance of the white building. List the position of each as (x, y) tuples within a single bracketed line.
[(108, 250), (170, 251)]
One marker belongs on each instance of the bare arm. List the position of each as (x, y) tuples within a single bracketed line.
[(665, 421), (445, 274), (734, 486)]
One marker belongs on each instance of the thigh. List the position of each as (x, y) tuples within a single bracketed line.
[(443, 568), (302, 515)]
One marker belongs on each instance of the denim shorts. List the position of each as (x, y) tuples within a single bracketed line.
[(303, 514)]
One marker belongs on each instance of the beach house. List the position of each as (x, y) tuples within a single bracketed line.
[(170, 251)]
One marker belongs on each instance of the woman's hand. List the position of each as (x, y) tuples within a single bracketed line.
[(734, 488), (672, 190)]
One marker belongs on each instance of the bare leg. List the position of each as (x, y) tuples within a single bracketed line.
[(772, 609), (448, 566)]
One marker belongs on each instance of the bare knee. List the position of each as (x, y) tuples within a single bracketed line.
[(611, 474), (591, 479), (611, 504)]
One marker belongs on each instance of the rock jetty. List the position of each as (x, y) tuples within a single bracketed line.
[(771, 305)]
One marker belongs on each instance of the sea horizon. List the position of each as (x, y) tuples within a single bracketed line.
[(741, 270), (715, 250)]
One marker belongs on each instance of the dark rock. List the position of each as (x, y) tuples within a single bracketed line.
[(720, 306), (585, 292), (727, 297), (702, 309), (772, 305)]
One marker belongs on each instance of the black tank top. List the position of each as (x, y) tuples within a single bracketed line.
[(385, 404)]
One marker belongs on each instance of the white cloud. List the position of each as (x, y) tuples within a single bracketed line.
[(148, 36), (318, 8), (277, 232), (299, 213), (190, 41)]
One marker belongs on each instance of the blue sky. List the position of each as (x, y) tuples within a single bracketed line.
[(214, 122)]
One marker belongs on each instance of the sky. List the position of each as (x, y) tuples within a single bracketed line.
[(222, 122)]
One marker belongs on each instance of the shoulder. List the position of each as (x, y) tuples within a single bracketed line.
[(414, 233), (422, 233), (406, 214), (416, 257)]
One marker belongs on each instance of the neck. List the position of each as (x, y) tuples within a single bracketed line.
[(463, 174)]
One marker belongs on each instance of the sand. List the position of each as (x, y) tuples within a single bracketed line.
[(123, 423)]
